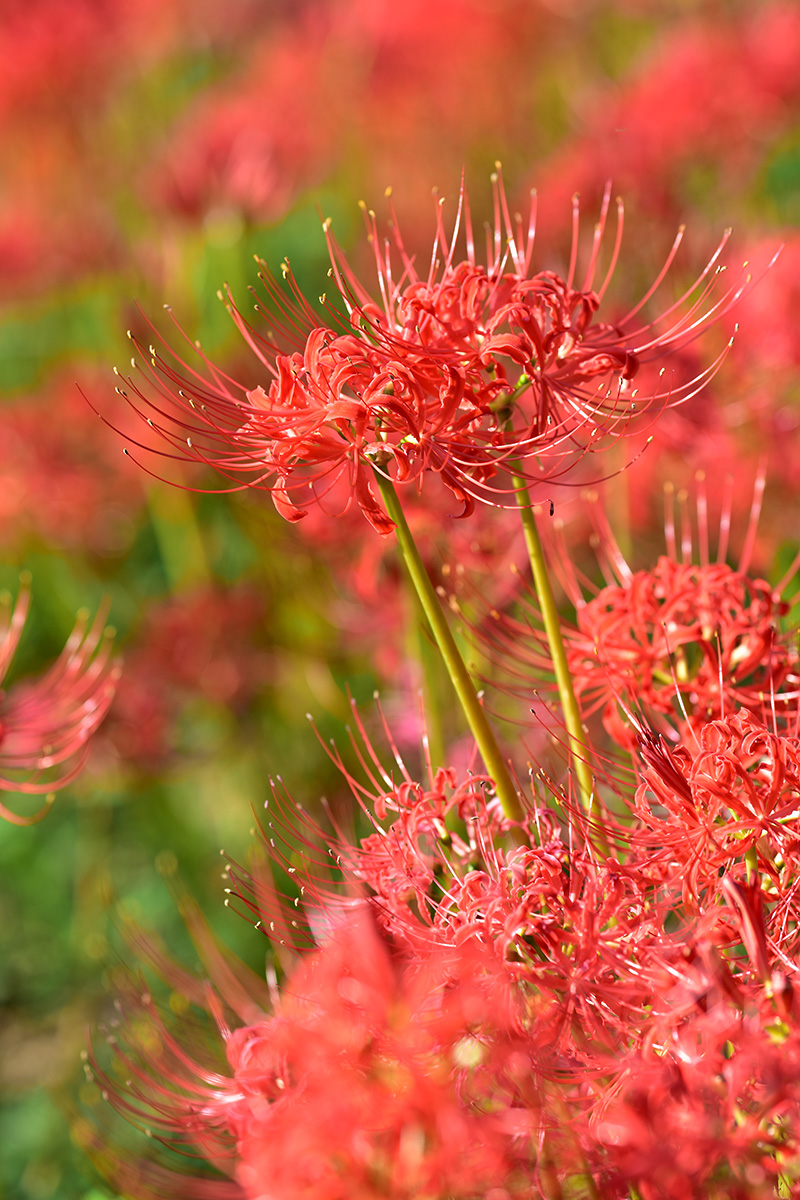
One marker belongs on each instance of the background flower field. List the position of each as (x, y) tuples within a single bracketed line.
[(148, 152)]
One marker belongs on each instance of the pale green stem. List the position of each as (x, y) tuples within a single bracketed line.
[(451, 656), (551, 1188), (585, 1176), (434, 683), (566, 692), (751, 864)]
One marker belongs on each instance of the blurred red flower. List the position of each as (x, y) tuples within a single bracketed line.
[(709, 102), (46, 724), (206, 643), (53, 446)]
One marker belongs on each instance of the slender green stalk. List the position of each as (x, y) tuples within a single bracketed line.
[(451, 655), (751, 864), (566, 692), (548, 1179), (435, 682)]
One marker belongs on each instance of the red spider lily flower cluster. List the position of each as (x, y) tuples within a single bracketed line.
[(685, 642), (637, 642), (590, 991), (465, 1017), (413, 1055), (466, 370), (46, 724), (732, 789)]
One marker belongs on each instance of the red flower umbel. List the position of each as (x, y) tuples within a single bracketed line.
[(460, 1016), (699, 636), (463, 370), (377, 1079), (46, 724), (371, 1077), (682, 641), (731, 789)]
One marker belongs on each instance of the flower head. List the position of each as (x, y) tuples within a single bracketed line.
[(667, 637), (46, 724), (476, 1018), (732, 789), (382, 1080), (715, 1117), (682, 641), (367, 1077), (464, 369)]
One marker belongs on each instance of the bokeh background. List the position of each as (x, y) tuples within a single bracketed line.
[(148, 149)]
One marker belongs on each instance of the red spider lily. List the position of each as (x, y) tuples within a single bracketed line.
[(707, 1105), (690, 640), (677, 631), (46, 724), (474, 1016), (376, 1076), (369, 1077), (682, 641), (712, 1119), (731, 788), (464, 370), (385, 1081)]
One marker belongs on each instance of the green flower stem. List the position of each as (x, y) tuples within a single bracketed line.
[(435, 683), (751, 864), (451, 655), (566, 692), (551, 1188)]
